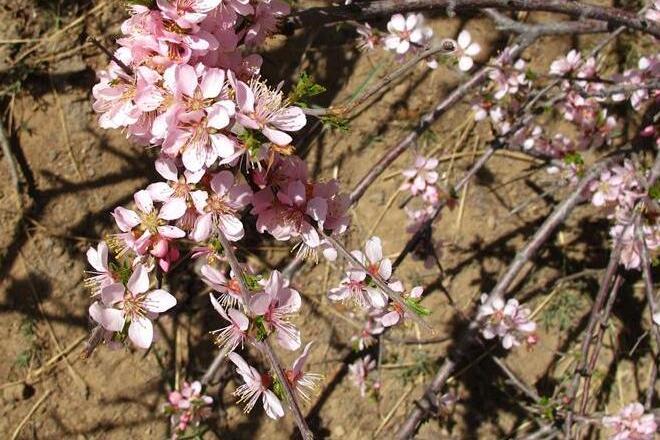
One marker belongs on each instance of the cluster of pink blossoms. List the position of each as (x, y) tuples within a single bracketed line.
[(358, 287), (409, 35), (581, 102), (618, 190), (508, 321), (631, 423), (186, 82), (187, 408)]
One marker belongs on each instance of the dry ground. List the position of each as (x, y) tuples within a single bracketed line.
[(77, 173)]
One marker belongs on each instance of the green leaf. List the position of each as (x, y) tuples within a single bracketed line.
[(654, 191), (334, 121), (305, 88), (573, 158), (417, 307)]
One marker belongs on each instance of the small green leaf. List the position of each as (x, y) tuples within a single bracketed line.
[(334, 121), (574, 158), (305, 88), (417, 307), (654, 191)]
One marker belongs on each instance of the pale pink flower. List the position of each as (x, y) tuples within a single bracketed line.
[(256, 385), (631, 423), (220, 210), (186, 13), (148, 224), (303, 382), (290, 214), (230, 292), (508, 321), (466, 50), (101, 276), (199, 119), (397, 313), (134, 303), (421, 175), (406, 32), (653, 13), (188, 407), (264, 22), (175, 193), (372, 327), (367, 40), (121, 98), (235, 334), (606, 189), (631, 250), (359, 371), (264, 109), (276, 304), (567, 64)]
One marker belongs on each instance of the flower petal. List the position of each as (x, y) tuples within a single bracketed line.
[(141, 332), (139, 280), (159, 301)]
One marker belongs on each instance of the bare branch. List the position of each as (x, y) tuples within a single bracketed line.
[(380, 8)]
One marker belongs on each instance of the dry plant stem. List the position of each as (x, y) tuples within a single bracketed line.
[(516, 381), (650, 298), (425, 403), (264, 346), (581, 368), (382, 285), (12, 164), (599, 343), (110, 55), (375, 9), (210, 372), (34, 409)]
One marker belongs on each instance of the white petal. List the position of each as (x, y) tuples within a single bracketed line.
[(141, 332), (159, 301)]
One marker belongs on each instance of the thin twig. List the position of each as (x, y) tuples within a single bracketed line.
[(34, 409), (264, 346)]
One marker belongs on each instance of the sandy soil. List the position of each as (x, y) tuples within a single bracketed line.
[(77, 173)]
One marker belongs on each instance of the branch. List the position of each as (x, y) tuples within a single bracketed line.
[(383, 8), (424, 404), (264, 346)]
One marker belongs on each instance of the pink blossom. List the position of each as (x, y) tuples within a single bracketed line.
[(564, 65), (359, 371), (653, 13), (255, 386), (276, 304), (221, 208), (289, 213), (631, 423), (230, 337), (303, 382), (406, 32), (367, 40), (147, 229), (357, 286), (101, 276), (199, 118), (421, 175), (397, 313), (372, 327), (261, 108), (508, 321), (466, 50), (188, 407), (134, 303), (187, 12), (175, 192), (264, 23), (230, 292)]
